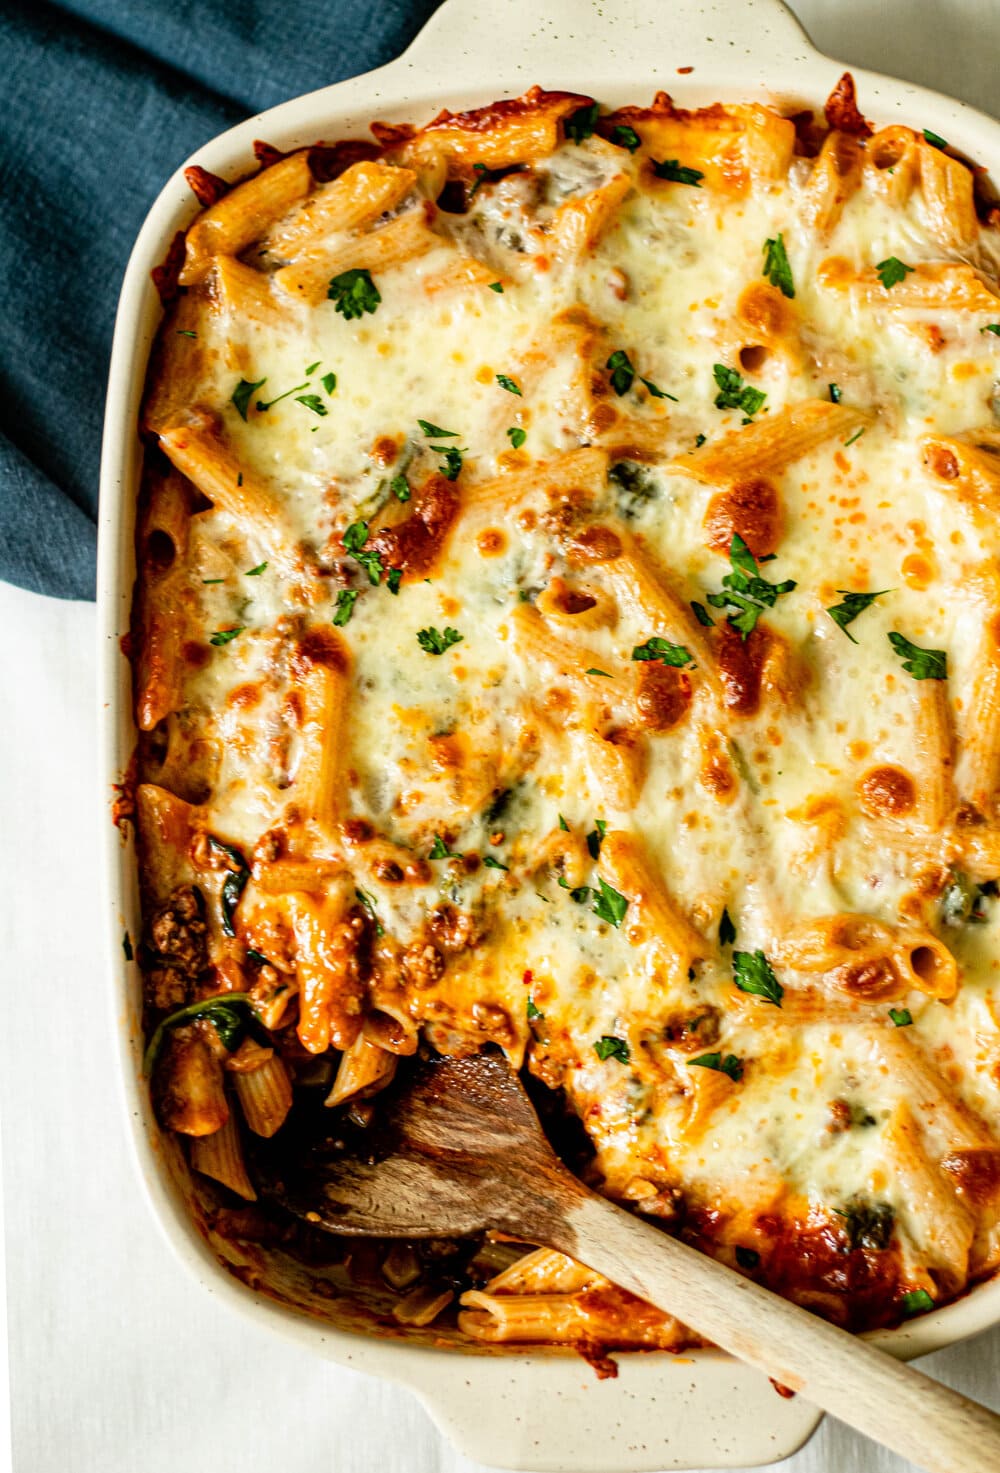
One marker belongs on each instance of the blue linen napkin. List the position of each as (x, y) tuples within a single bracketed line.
[(102, 100)]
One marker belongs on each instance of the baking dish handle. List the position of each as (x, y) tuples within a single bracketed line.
[(555, 38)]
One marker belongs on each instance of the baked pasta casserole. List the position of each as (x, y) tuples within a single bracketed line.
[(568, 620)]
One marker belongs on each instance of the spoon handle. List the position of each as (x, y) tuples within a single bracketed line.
[(892, 1403)]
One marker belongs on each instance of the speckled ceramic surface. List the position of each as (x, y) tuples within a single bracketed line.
[(515, 1411)]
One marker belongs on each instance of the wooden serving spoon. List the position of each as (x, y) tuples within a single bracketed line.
[(461, 1150)]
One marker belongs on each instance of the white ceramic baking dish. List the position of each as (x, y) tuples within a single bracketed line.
[(539, 1410)]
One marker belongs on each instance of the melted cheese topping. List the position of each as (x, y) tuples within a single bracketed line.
[(502, 754)]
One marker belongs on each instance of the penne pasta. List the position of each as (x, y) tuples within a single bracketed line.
[(244, 214)]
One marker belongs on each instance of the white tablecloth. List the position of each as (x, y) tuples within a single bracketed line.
[(117, 1360)]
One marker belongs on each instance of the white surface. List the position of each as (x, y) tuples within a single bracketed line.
[(117, 1360)]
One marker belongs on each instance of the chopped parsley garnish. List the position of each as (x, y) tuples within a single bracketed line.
[(835, 394), (867, 1224), (892, 271), (563, 824), (263, 407), (580, 125), (917, 1301), (727, 931), (747, 1257), (935, 139), (353, 293), (185, 332), (734, 393), (255, 572), (482, 173), (594, 671), (609, 904), (452, 463), (492, 863), (506, 382), (368, 905), (233, 885), (730, 1065), (596, 837), (517, 436), (661, 649), (435, 643), (625, 137), (435, 432), (679, 173), (496, 286), (699, 441), (353, 541), (213, 580), (856, 436), (440, 850), (921, 664), (752, 972), (313, 403), (329, 382), (532, 1011), (394, 578), (747, 592), (853, 605), (346, 599), (313, 367), (400, 488), (623, 375), (243, 393), (776, 267), (702, 615), (993, 327), (902, 1017), (127, 946), (223, 636), (610, 1047)]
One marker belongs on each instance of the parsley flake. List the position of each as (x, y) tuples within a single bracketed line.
[(185, 332), (935, 139), (435, 643), (727, 931), (563, 824), (702, 615), (394, 578), (255, 572), (835, 394), (661, 649), (730, 1065), (440, 850), (532, 1011), (517, 436), (506, 382), (753, 973), (917, 1301), (243, 393), (492, 863), (313, 403), (748, 594), (400, 488), (580, 125), (993, 327), (776, 267), (623, 375), (329, 382), (610, 1047), (127, 946), (353, 293), (346, 599), (313, 367), (920, 663), (679, 173), (853, 605), (609, 904), (594, 671), (856, 436), (596, 837), (435, 432), (901, 1017), (892, 271), (223, 636), (496, 286), (625, 137), (734, 393), (353, 541), (368, 905), (451, 466)]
